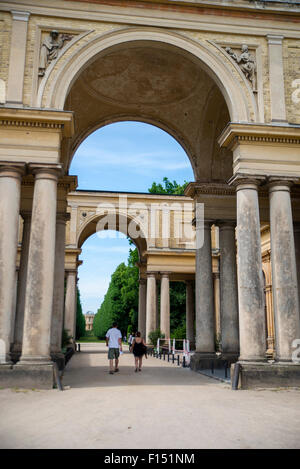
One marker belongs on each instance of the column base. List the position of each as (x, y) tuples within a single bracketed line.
[(27, 376), (206, 361), (34, 360), (254, 375)]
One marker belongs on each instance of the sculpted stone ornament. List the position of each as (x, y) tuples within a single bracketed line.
[(50, 48), (246, 63)]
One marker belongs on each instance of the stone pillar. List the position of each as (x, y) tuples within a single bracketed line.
[(216, 281), (142, 307), (10, 190), (228, 290), (17, 57), (40, 272), (276, 78), (165, 305), (297, 253), (250, 278), (157, 312), (19, 322), (59, 288), (71, 303), (151, 304), (205, 327), (284, 272), (190, 314)]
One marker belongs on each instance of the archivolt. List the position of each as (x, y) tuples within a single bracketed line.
[(234, 94)]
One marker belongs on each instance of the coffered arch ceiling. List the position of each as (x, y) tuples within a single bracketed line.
[(159, 84)]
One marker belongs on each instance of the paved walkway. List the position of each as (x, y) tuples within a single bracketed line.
[(164, 406)]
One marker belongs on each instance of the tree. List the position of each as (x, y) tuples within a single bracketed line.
[(168, 187), (80, 319), (120, 303)]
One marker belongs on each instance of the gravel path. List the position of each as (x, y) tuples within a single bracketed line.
[(164, 406)]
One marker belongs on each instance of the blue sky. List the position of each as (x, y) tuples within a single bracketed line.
[(125, 156)]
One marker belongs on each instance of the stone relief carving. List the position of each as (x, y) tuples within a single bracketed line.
[(50, 48), (246, 62)]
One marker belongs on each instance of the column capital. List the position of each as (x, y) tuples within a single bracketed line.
[(16, 170), (281, 183), (275, 39), (226, 224), (165, 274), (152, 274), (20, 15), (246, 181), (62, 217), (26, 215), (46, 171)]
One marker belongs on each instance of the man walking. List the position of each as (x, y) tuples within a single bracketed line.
[(114, 343)]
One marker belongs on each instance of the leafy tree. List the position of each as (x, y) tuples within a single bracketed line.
[(121, 300), (168, 187), (80, 319)]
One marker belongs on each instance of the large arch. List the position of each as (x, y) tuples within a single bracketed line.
[(214, 66)]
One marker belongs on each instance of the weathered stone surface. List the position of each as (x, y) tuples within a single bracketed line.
[(27, 376), (268, 375)]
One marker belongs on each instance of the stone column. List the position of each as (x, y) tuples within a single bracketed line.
[(228, 290), (71, 303), (250, 278), (216, 282), (142, 307), (297, 253), (190, 314), (59, 288), (40, 272), (205, 327), (19, 322), (157, 312), (151, 304), (284, 272), (165, 305), (10, 190)]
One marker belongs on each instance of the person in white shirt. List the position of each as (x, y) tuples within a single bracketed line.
[(114, 343)]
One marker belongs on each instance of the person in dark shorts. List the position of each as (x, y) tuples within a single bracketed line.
[(139, 349), (114, 344)]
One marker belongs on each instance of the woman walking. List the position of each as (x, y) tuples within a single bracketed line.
[(139, 349)]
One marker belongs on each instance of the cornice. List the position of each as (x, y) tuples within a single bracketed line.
[(218, 15), (38, 118), (208, 188), (236, 133)]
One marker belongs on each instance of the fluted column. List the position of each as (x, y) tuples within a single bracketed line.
[(10, 190), (59, 286), (250, 279), (228, 289), (40, 272), (71, 303), (165, 305), (151, 304), (190, 314), (19, 322), (142, 307), (205, 327), (284, 272)]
